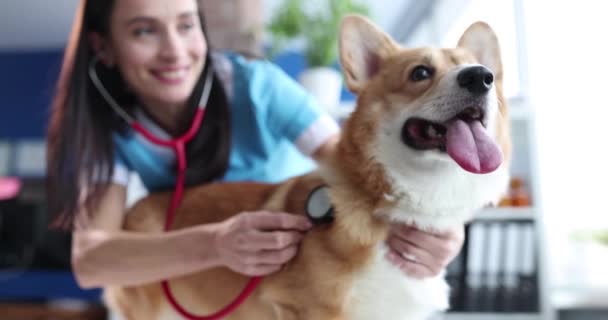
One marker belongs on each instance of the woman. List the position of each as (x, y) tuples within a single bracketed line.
[(152, 58)]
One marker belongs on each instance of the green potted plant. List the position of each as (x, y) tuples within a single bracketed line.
[(318, 28)]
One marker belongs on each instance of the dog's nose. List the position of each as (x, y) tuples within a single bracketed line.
[(478, 80)]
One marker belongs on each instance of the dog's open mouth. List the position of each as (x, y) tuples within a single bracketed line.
[(464, 138)]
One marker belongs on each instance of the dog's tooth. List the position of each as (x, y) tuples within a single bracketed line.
[(432, 132)]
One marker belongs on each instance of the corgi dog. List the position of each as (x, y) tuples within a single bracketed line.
[(428, 144)]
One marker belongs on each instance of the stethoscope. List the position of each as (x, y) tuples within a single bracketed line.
[(179, 148)]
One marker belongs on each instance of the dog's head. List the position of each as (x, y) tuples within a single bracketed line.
[(431, 124)]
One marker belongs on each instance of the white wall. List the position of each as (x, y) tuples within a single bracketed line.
[(568, 64)]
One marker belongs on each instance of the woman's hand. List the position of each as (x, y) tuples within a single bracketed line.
[(259, 243), (423, 254)]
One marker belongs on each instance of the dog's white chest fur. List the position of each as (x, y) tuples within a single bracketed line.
[(382, 291)]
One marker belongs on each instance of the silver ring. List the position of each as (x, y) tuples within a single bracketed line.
[(409, 257)]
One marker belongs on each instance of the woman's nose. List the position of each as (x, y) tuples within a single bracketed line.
[(172, 47)]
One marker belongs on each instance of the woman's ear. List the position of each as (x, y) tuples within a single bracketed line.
[(101, 48)]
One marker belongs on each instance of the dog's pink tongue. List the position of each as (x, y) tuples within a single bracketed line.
[(469, 144)]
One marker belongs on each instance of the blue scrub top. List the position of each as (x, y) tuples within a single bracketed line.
[(273, 120)]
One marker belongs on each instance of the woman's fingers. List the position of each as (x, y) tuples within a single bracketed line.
[(265, 220), (413, 260), (270, 256), (276, 240), (409, 251), (442, 246), (264, 262), (412, 269), (259, 243), (421, 253)]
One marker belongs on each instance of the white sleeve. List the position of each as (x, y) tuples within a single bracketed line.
[(317, 134), (131, 181), (120, 175)]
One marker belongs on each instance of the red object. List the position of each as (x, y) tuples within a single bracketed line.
[(9, 188), (179, 147)]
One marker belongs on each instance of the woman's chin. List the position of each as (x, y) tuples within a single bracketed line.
[(171, 95)]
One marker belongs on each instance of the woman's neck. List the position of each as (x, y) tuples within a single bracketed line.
[(167, 117)]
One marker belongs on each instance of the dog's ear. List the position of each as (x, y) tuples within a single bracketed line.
[(362, 49), (480, 39)]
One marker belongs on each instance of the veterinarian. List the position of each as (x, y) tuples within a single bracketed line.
[(152, 59)]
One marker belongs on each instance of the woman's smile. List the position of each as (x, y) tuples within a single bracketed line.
[(171, 75)]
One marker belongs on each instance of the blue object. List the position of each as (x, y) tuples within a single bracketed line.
[(27, 85), (43, 285)]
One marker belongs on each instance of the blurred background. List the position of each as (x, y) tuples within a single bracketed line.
[(541, 254)]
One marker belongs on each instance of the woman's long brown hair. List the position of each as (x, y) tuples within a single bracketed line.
[(80, 152)]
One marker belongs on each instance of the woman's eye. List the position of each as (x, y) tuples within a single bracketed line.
[(421, 73), (139, 32), (186, 26)]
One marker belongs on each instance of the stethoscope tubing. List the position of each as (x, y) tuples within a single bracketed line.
[(179, 148)]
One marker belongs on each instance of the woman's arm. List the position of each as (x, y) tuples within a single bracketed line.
[(103, 254)]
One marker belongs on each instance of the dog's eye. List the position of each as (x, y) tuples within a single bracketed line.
[(421, 73)]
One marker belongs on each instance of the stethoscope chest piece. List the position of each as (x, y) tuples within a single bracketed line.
[(318, 206)]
